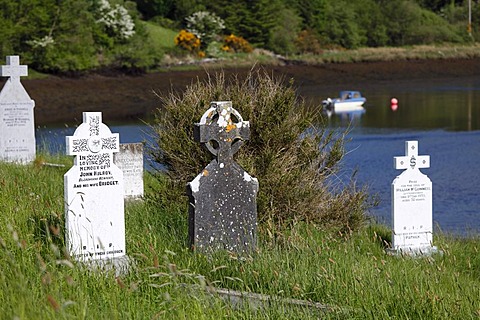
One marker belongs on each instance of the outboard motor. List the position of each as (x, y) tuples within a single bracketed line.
[(328, 106)]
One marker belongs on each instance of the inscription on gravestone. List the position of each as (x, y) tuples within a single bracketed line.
[(223, 209), (130, 161), (94, 204), (412, 204), (17, 128)]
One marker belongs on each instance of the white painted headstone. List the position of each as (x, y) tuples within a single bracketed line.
[(17, 127), (94, 203), (130, 161), (412, 204)]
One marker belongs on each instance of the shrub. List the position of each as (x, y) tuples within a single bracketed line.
[(308, 42), (232, 43), (205, 25), (187, 41), (116, 20), (290, 151)]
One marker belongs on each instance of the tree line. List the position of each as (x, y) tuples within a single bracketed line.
[(75, 35)]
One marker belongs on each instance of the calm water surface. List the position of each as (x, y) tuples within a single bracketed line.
[(443, 115)]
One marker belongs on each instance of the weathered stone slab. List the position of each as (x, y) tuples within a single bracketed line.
[(412, 204), (130, 161), (17, 125), (223, 209), (94, 201)]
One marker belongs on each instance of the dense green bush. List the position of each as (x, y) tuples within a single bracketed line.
[(290, 151), (74, 35), (409, 24)]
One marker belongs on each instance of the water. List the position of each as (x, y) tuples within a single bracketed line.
[(454, 171), (443, 115)]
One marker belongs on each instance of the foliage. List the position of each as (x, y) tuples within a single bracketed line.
[(283, 35), (370, 18), (312, 13), (291, 154), (233, 43), (187, 41), (408, 24), (153, 8), (308, 42), (342, 28), (73, 35), (252, 20), (205, 25), (117, 21)]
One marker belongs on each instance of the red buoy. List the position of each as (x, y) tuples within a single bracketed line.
[(394, 104)]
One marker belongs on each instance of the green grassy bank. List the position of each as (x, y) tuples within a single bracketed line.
[(348, 272)]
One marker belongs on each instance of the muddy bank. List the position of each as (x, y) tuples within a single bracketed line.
[(125, 98)]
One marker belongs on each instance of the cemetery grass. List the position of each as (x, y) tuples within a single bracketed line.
[(348, 273)]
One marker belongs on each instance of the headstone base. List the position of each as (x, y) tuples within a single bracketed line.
[(414, 252), (120, 265)]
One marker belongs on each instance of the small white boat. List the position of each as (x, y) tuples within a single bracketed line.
[(348, 102)]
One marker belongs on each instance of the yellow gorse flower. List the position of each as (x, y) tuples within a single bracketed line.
[(187, 40)]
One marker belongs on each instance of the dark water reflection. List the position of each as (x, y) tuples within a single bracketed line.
[(449, 104), (443, 115)]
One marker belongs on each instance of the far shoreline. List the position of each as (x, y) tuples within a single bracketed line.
[(135, 97)]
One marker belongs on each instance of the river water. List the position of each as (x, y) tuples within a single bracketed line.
[(442, 115)]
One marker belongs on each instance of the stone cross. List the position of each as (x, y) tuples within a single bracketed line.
[(223, 211), (13, 69), (412, 205), (411, 160), (94, 195), (17, 124)]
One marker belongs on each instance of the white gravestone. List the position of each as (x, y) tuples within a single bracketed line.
[(130, 161), (412, 204), (94, 203), (17, 128)]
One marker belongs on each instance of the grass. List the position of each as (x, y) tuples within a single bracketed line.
[(349, 272), (420, 52), (159, 37)]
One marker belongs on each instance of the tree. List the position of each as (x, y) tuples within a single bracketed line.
[(342, 28), (312, 13), (252, 20), (283, 35), (152, 8)]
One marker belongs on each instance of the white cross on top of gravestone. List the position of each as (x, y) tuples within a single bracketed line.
[(13, 69), (92, 143), (411, 160)]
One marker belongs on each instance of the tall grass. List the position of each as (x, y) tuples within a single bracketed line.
[(349, 272), (420, 52)]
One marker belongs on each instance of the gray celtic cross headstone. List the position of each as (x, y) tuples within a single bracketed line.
[(17, 127), (412, 204), (223, 209), (94, 203)]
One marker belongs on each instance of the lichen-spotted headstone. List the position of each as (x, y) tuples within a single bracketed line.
[(223, 209), (130, 160), (94, 204), (412, 204), (17, 127)]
